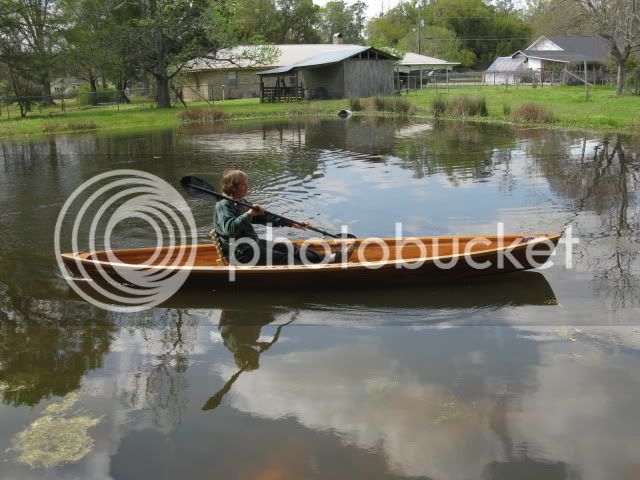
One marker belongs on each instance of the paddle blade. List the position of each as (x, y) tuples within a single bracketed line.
[(196, 187)]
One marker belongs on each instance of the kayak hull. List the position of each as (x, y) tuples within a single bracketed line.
[(383, 262)]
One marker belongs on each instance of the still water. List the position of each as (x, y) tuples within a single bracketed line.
[(528, 375)]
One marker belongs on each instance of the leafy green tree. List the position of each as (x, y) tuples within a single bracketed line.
[(438, 42), (338, 17), (255, 29), (32, 40), (388, 30), (618, 22), (299, 21), (482, 31)]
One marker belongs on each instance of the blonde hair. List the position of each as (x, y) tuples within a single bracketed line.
[(231, 179)]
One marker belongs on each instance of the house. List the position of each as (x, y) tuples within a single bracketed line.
[(568, 55), (333, 70), (234, 75)]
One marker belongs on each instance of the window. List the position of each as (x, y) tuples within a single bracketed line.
[(233, 78)]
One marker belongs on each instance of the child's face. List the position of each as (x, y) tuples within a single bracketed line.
[(242, 188)]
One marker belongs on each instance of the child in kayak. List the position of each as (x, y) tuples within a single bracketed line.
[(233, 225)]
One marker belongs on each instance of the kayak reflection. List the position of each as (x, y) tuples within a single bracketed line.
[(513, 289), (240, 333)]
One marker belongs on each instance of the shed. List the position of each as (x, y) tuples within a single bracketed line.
[(505, 71), (414, 69), (358, 71)]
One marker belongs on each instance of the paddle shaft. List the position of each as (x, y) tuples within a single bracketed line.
[(247, 204)]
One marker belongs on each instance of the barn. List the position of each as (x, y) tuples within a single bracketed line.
[(359, 71)]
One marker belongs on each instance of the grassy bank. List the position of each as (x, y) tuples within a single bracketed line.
[(567, 105)]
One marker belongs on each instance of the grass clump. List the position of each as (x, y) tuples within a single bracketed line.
[(533, 112), (459, 106), (77, 125), (202, 115), (355, 105), (467, 106), (393, 104), (506, 109), (439, 106)]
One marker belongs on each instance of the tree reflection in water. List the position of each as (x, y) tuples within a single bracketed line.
[(602, 184), (46, 348)]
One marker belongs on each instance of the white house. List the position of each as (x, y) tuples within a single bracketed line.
[(563, 53)]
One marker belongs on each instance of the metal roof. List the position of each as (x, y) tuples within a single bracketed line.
[(247, 56), (507, 64), (325, 58), (411, 59), (574, 48)]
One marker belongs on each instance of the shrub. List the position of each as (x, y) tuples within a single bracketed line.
[(533, 112), (102, 95), (355, 105), (466, 106), (393, 104), (202, 115), (439, 106)]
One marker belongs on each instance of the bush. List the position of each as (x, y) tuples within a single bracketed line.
[(102, 95), (439, 106), (467, 106), (355, 105), (393, 104), (202, 115), (533, 112)]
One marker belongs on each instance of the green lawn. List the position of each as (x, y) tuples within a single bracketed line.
[(603, 110)]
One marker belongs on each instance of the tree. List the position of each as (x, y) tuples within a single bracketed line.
[(89, 40), (253, 29), (478, 32), (33, 31), (556, 17), (618, 22), (299, 20), (338, 17)]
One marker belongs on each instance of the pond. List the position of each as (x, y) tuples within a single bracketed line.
[(526, 375)]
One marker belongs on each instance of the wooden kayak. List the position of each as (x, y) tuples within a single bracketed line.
[(380, 261)]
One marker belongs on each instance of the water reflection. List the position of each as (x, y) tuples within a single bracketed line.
[(241, 336), (395, 388)]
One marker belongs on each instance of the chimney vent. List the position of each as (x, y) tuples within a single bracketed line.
[(338, 39)]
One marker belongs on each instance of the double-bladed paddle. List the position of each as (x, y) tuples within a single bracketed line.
[(196, 187)]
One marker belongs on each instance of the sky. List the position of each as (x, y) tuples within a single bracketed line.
[(374, 7)]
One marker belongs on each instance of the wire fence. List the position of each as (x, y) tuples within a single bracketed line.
[(504, 78), (59, 103)]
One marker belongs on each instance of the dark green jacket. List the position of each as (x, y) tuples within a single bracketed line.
[(232, 221)]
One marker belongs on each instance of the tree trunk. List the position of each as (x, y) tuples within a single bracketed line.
[(620, 77), (93, 92), (47, 98), (164, 97)]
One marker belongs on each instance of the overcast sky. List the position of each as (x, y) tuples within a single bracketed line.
[(374, 7)]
